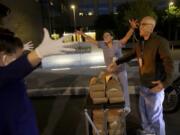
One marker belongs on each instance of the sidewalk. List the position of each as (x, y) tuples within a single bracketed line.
[(44, 82)]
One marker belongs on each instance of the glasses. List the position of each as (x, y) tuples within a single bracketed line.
[(144, 24)]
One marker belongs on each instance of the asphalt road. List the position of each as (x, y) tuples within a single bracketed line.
[(59, 98), (64, 115)]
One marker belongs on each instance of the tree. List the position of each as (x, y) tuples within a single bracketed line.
[(135, 9), (122, 24), (138, 9), (105, 22), (172, 18)]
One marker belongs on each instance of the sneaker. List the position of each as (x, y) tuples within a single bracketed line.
[(127, 110), (142, 132)]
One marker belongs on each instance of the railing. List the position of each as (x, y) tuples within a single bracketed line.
[(174, 44)]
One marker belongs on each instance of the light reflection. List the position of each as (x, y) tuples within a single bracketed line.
[(86, 59), (60, 69), (97, 67)]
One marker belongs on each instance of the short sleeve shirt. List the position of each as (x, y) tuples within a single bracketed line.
[(112, 53)]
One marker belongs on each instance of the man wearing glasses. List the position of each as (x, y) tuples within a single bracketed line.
[(155, 69)]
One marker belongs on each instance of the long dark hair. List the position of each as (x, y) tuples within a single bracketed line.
[(8, 42)]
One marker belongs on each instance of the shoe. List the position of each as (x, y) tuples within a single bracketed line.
[(127, 110), (142, 132)]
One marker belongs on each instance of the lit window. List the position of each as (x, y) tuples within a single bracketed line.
[(90, 13), (81, 14)]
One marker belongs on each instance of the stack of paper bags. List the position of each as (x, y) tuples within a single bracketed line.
[(104, 88), (99, 121), (114, 91), (97, 90), (116, 122)]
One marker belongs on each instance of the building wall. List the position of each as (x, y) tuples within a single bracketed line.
[(98, 7), (25, 19)]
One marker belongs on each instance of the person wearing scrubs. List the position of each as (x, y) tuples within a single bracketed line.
[(112, 50), (156, 72), (17, 116)]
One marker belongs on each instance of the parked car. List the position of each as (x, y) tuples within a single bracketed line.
[(172, 97)]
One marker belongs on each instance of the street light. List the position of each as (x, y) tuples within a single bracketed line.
[(73, 7), (170, 6), (171, 3)]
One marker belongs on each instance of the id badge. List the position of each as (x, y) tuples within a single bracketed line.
[(140, 62)]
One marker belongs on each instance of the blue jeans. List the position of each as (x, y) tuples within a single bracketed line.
[(151, 111), (122, 76)]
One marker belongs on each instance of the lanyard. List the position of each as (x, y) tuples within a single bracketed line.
[(142, 48), (141, 60)]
